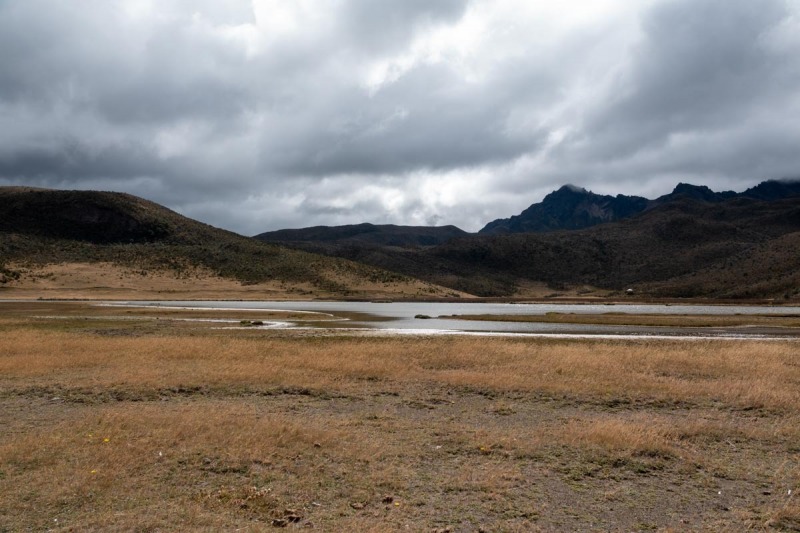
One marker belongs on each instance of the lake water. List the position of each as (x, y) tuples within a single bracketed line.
[(400, 316)]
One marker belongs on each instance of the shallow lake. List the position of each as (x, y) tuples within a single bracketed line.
[(400, 316)]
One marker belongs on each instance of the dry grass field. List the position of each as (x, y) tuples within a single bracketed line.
[(137, 421), (108, 281)]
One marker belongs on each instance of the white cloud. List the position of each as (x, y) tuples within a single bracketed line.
[(260, 114)]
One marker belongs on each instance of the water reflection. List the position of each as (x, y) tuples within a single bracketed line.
[(400, 316)]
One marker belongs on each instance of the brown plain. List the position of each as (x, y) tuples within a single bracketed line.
[(141, 422)]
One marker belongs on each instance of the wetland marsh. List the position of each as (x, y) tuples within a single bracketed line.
[(150, 418)]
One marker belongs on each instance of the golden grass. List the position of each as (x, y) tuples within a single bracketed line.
[(133, 457), (633, 437), (215, 464), (190, 429), (737, 374), (104, 281)]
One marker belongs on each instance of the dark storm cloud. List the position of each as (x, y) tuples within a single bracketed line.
[(425, 120), (388, 26), (702, 66), (73, 162), (703, 99), (98, 61), (260, 114)]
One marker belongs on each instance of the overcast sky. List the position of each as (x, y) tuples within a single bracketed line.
[(267, 114)]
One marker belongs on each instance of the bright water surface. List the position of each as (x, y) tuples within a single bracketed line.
[(400, 316)]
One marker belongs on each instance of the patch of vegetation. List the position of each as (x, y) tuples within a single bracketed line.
[(735, 249), (7, 275), (197, 428), (89, 226)]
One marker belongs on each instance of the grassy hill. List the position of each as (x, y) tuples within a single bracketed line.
[(739, 247), (734, 248), (41, 227)]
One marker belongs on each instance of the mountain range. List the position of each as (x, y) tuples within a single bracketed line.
[(572, 207), (693, 242), (568, 208)]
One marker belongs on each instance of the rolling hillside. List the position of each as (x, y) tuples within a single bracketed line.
[(691, 243), (739, 248), (696, 243), (40, 227)]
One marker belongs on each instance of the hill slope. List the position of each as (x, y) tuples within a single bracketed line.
[(734, 249), (367, 234), (694, 243), (44, 227), (569, 207)]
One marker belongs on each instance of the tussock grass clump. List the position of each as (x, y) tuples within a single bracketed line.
[(133, 457), (632, 437)]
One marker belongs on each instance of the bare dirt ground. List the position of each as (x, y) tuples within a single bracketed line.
[(121, 420)]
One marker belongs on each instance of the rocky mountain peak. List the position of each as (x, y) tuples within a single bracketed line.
[(569, 207)]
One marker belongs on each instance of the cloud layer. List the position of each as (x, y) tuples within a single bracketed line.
[(258, 115)]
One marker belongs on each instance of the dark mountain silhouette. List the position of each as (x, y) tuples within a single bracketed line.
[(572, 207), (732, 248), (95, 217), (701, 193), (368, 234), (774, 190), (569, 207)]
